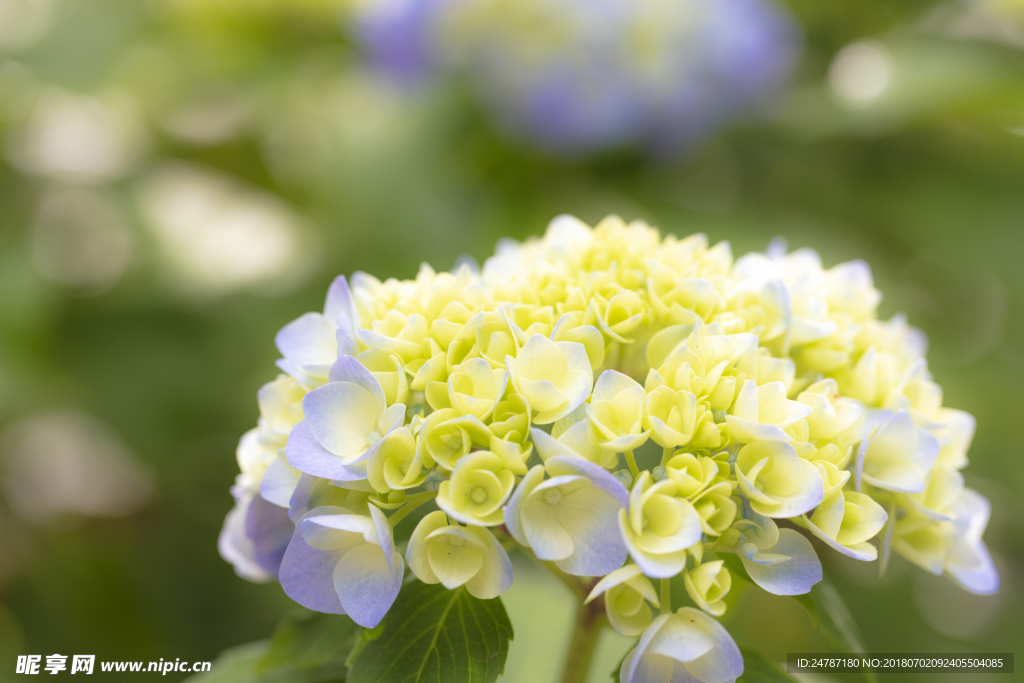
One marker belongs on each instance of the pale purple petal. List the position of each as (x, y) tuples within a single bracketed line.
[(385, 536), (270, 530), (723, 662), (308, 342), (796, 575), (278, 483), (633, 671), (340, 302), (366, 584), (348, 369), (599, 476), (307, 576), (236, 547), (514, 507), (307, 455), (590, 516)]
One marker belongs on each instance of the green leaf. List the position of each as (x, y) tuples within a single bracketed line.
[(237, 665), (309, 647), (758, 669), (433, 635), (830, 614), (618, 668), (832, 617)]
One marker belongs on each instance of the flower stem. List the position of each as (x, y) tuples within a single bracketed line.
[(412, 502), (570, 582), (633, 469), (666, 597), (589, 621)]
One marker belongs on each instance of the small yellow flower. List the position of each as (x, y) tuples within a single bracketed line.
[(626, 594), (617, 412), (396, 466), (445, 436), (846, 520), (475, 388), (387, 367), (455, 555), (479, 486), (777, 481), (707, 585), (658, 527), (553, 377)]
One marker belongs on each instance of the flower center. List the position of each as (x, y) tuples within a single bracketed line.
[(552, 496), (453, 441), (478, 496)]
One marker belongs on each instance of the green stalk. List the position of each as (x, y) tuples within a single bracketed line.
[(666, 597), (633, 469), (589, 621), (411, 503)]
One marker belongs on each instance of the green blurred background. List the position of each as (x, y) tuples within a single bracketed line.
[(240, 155)]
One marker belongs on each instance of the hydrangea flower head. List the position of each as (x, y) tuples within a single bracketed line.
[(578, 76), (623, 406)]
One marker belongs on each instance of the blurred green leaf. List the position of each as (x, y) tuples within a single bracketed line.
[(618, 667), (436, 635), (832, 617), (237, 665), (758, 669), (309, 647)]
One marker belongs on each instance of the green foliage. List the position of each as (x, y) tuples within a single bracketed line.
[(758, 669), (237, 665), (433, 635), (618, 667), (307, 647), (832, 617)]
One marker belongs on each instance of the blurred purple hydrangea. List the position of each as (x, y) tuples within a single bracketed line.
[(398, 37), (586, 75)]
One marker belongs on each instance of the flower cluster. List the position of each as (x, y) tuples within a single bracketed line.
[(577, 76), (628, 407)]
